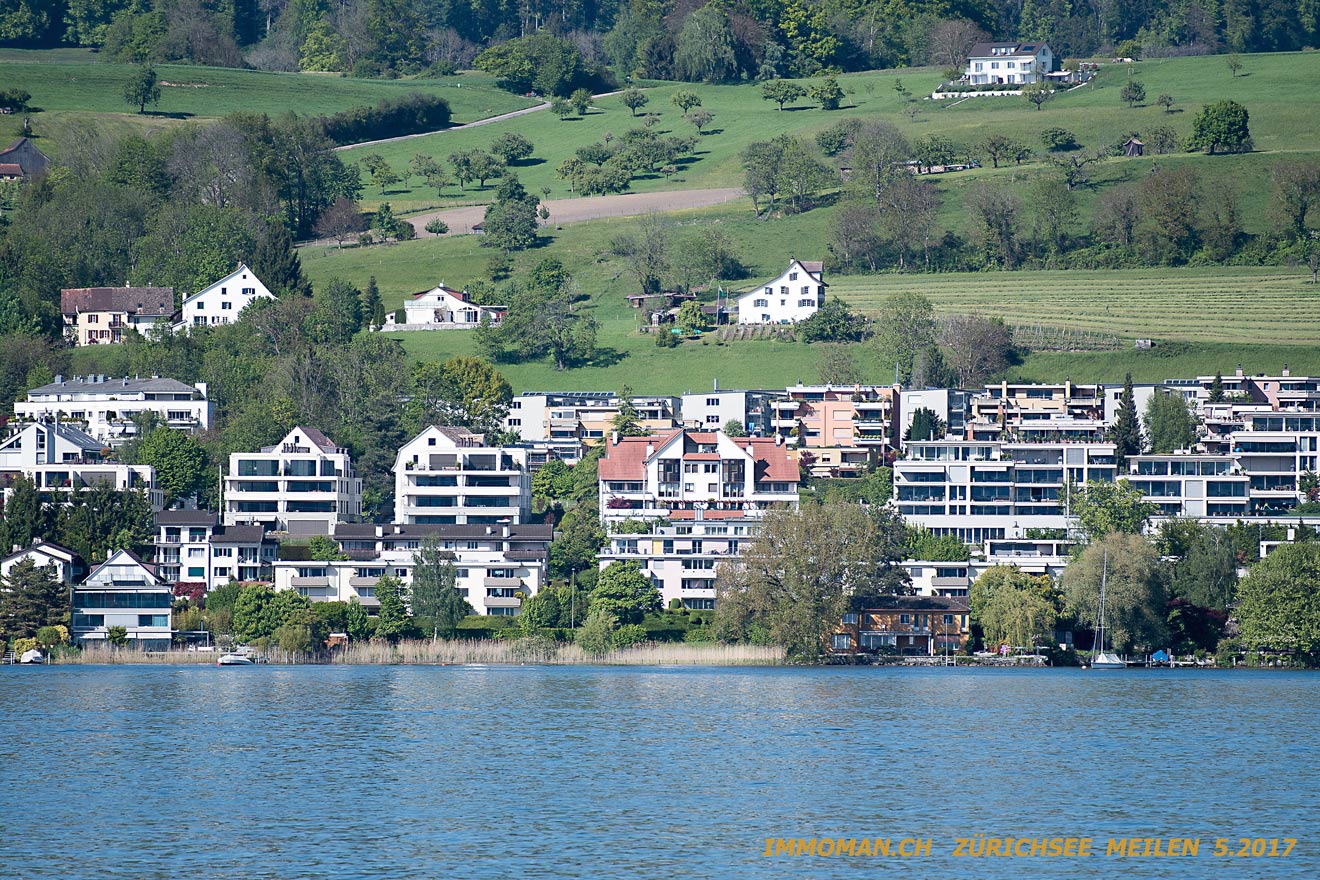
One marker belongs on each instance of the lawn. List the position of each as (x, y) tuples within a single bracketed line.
[(1203, 319), (1274, 87), (68, 85)]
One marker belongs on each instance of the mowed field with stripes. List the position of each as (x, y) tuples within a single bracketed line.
[(1234, 304)]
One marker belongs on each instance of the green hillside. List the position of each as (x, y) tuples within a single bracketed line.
[(1274, 88), (71, 88)]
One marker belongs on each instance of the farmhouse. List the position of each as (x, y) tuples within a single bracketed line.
[(793, 296), (223, 301), (443, 309), (22, 160), (1009, 63), (100, 315)]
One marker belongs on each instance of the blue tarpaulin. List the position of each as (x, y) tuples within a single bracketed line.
[(1159, 657)]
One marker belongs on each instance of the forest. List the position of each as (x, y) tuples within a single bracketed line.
[(715, 41)]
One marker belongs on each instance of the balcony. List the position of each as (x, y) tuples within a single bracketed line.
[(501, 583)]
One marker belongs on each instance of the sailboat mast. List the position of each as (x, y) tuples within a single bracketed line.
[(1100, 625)]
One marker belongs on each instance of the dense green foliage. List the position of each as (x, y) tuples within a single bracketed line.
[(1279, 602)]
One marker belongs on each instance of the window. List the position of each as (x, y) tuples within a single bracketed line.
[(948, 620), (792, 276), (806, 303), (905, 618), (249, 291), (157, 620), (712, 420), (842, 642), (849, 618), (783, 290), (762, 304), (226, 306), (93, 319)]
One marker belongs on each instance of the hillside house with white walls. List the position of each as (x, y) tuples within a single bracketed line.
[(793, 296), (223, 301)]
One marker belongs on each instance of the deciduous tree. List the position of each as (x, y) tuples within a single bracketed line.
[(1135, 595), (435, 595)]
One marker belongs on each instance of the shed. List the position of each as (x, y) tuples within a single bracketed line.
[(1133, 147)]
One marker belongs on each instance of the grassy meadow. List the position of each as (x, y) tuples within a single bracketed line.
[(1273, 88), (73, 91)]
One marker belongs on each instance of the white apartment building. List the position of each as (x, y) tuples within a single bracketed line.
[(61, 458), (682, 558), (983, 491), (496, 565), (661, 475), (712, 410), (450, 476), (569, 423), (1192, 485), (123, 591), (794, 296), (192, 547), (302, 485), (104, 406), (223, 301)]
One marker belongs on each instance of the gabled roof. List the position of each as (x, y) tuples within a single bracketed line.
[(67, 433), (242, 267), (1015, 49), (49, 548), (626, 460), (26, 155), (239, 535), (324, 443), (11, 169), (144, 301), (115, 558)]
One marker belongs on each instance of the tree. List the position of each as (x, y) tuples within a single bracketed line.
[(462, 391), (1166, 101), (384, 176), (511, 147), (975, 347), (1296, 189), (323, 548), (700, 120), (1234, 64), (1126, 431), (25, 518), (1133, 92), (462, 162), (1206, 576), (828, 93), (1162, 140), (1037, 94), (1222, 126), (1059, 140), (782, 91), (931, 151), (1102, 508), (646, 252), (385, 223), (1217, 388), (926, 425), (435, 595), (685, 100), (336, 315), (179, 460), (392, 620), (510, 225), (833, 322), (142, 88), (552, 482), (703, 49), (1014, 608), (561, 107), (905, 338), (633, 99), (373, 309), (734, 428), (804, 569), (540, 323), (1135, 595), (692, 319), (762, 175), (579, 539), (626, 422), (623, 591), (996, 213), (1170, 424), (31, 597), (596, 636), (341, 221), (484, 166), (1276, 607), (1000, 147), (581, 101), (948, 42), (802, 175)]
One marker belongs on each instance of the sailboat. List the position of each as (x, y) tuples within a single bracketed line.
[(1102, 658)]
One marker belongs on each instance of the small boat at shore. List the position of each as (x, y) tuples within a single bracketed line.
[(1104, 659), (232, 659)]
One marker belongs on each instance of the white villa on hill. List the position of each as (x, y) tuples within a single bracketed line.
[(223, 301), (443, 309), (793, 296), (1010, 63)]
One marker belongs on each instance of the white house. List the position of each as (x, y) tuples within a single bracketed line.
[(496, 565), (443, 309), (681, 558), (69, 566), (123, 591), (450, 476), (223, 301), (793, 296), (104, 406), (1010, 63), (60, 458), (303, 485), (191, 547)]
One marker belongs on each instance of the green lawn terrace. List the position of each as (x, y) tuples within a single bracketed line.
[(74, 92), (1274, 88)]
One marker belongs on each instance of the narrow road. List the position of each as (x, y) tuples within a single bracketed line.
[(461, 220)]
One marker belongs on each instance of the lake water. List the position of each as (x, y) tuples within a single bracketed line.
[(598, 773)]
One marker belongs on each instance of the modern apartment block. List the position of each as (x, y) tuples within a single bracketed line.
[(838, 430), (712, 410), (569, 423), (302, 485), (674, 473), (448, 476), (123, 591), (496, 565), (681, 558), (104, 406), (192, 547), (1193, 485), (60, 458), (982, 491)]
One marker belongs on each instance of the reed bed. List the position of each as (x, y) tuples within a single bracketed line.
[(102, 654), (544, 651)]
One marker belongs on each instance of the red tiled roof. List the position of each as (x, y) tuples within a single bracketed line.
[(703, 436), (626, 459), (773, 462), (11, 169)]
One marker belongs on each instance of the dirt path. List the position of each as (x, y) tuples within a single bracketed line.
[(461, 220)]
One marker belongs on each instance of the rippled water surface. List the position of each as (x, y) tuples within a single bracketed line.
[(461, 772)]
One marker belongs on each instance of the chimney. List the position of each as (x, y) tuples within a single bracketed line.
[(1285, 370), (614, 438), (717, 383), (59, 379), (1239, 371), (650, 450)]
